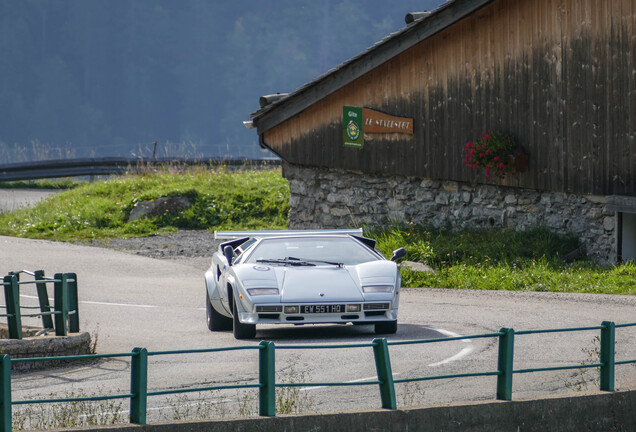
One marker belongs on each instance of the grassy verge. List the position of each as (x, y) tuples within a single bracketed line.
[(534, 260), (221, 200)]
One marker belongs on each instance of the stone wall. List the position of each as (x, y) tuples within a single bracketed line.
[(330, 198)]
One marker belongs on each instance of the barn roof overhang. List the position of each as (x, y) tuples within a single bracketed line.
[(421, 28)]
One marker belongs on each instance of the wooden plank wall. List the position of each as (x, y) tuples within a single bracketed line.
[(558, 75)]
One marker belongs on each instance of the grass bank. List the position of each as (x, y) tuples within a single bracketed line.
[(222, 199), (497, 259), (533, 260)]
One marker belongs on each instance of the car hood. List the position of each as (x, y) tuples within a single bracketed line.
[(320, 283)]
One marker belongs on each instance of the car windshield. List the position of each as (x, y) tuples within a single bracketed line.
[(316, 250)]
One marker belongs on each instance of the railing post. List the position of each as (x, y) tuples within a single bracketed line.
[(385, 374), (61, 304), (43, 297), (607, 355), (139, 386), (267, 379), (73, 303), (12, 299), (5, 393), (505, 364)]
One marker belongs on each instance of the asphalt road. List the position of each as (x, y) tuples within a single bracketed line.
[(129, 301), (13, 199)]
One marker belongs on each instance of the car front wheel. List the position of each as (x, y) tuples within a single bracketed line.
[(242, 331), (216, 321), (386, 327)]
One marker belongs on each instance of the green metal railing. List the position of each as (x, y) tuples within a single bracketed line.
[(65, 314), (267, 384)]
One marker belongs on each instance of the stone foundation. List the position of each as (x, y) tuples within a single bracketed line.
[(330, 198)]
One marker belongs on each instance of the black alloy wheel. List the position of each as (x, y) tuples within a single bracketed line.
[(216, 321)]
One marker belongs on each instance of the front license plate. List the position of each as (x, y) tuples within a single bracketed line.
[(337, 308)]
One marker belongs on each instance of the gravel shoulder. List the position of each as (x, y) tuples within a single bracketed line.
[(194, 247)]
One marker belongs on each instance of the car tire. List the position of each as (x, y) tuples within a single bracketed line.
[(241, 331), (216, 321), (386, 327)]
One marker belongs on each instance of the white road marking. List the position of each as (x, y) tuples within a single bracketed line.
[(119, 304), (351, 381), (463, 353), (99, 303)]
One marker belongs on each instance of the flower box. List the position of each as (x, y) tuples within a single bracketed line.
[(497, 154)]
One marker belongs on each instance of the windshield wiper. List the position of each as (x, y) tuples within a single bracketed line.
[(286, 261), (310, 260)]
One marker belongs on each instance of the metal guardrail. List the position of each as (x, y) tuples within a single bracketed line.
[(66, 305), (111, 165), (267, 384)]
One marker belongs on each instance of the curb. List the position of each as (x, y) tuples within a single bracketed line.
[(45, 346)]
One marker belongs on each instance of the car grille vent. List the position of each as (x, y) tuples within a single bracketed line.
[(376, 306), (374, 313), (266, 309)]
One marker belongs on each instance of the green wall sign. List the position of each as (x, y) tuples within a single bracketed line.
[(352, 134)]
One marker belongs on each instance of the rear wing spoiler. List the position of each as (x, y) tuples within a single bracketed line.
[(282, 233)]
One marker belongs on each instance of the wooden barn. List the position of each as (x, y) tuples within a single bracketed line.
[(385, 136)]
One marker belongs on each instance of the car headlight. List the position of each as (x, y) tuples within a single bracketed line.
[(262, 291), (378, 289)]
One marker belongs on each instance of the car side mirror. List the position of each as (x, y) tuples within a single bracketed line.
[(398, 253), (228, 253)]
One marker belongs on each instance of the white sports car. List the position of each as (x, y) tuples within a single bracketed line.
[(301, 277)]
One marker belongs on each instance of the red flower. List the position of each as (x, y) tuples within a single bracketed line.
[(490, 152)]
